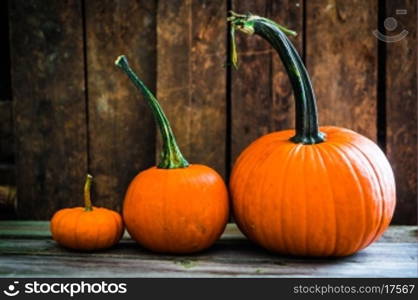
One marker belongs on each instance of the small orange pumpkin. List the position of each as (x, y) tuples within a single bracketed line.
[(88, 227), (174, 207), (313, 191)]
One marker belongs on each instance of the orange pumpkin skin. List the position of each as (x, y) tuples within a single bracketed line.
[(81, 229), (327, 199), (181, 210)]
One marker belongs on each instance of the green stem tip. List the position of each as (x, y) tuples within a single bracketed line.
[(171, 156), (87, 200), (244, 23), (239, 21)]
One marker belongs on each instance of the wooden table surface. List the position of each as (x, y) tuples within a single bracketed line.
[(26, 250)]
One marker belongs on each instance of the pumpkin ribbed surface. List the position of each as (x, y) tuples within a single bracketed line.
[(326, 199), (76, 228), (180, 210)]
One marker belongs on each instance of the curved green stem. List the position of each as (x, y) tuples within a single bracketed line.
[(171, 157), (87, 201), (307, 129)]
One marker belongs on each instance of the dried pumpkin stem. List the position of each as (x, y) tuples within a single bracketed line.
[(307, 129), (171, 156), (87, 200)]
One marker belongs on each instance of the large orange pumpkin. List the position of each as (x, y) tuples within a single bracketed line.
[(174, 207), (88, 227), (313, 191)]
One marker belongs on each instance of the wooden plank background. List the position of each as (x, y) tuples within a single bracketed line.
[(191, 81), (401, 109), (49, 104), (120, 125), (65, 109), (344, 75)]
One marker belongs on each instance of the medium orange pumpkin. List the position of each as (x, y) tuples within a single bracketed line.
[(88, 227), (312, 191), (174, 207)]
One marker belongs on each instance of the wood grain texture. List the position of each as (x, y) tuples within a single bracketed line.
[(239, 259), (401, 109), (231, 256), (6, 133), (261, 94), (8, 173), (7, 146), (40, 230), (8, 202), (49, 105), (121, 128), (5, 84), (191, 83), (341, 56), (290, 14)]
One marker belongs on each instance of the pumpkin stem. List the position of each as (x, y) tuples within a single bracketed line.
[(233, 48), (307, 129), (171, 156), (87, 200)]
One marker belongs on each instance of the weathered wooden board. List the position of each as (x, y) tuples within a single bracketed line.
[(290, 14), (6, 133), (233, 260), (40, 230), (8, 173), (191, 78), (121, 128), (5, 88), (261, 94), (8, 202), (49, 104), (401, 108), (7, 147), (231, 256), (341, 56)]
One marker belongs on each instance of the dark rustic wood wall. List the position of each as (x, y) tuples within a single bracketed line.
[(65, 109)]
